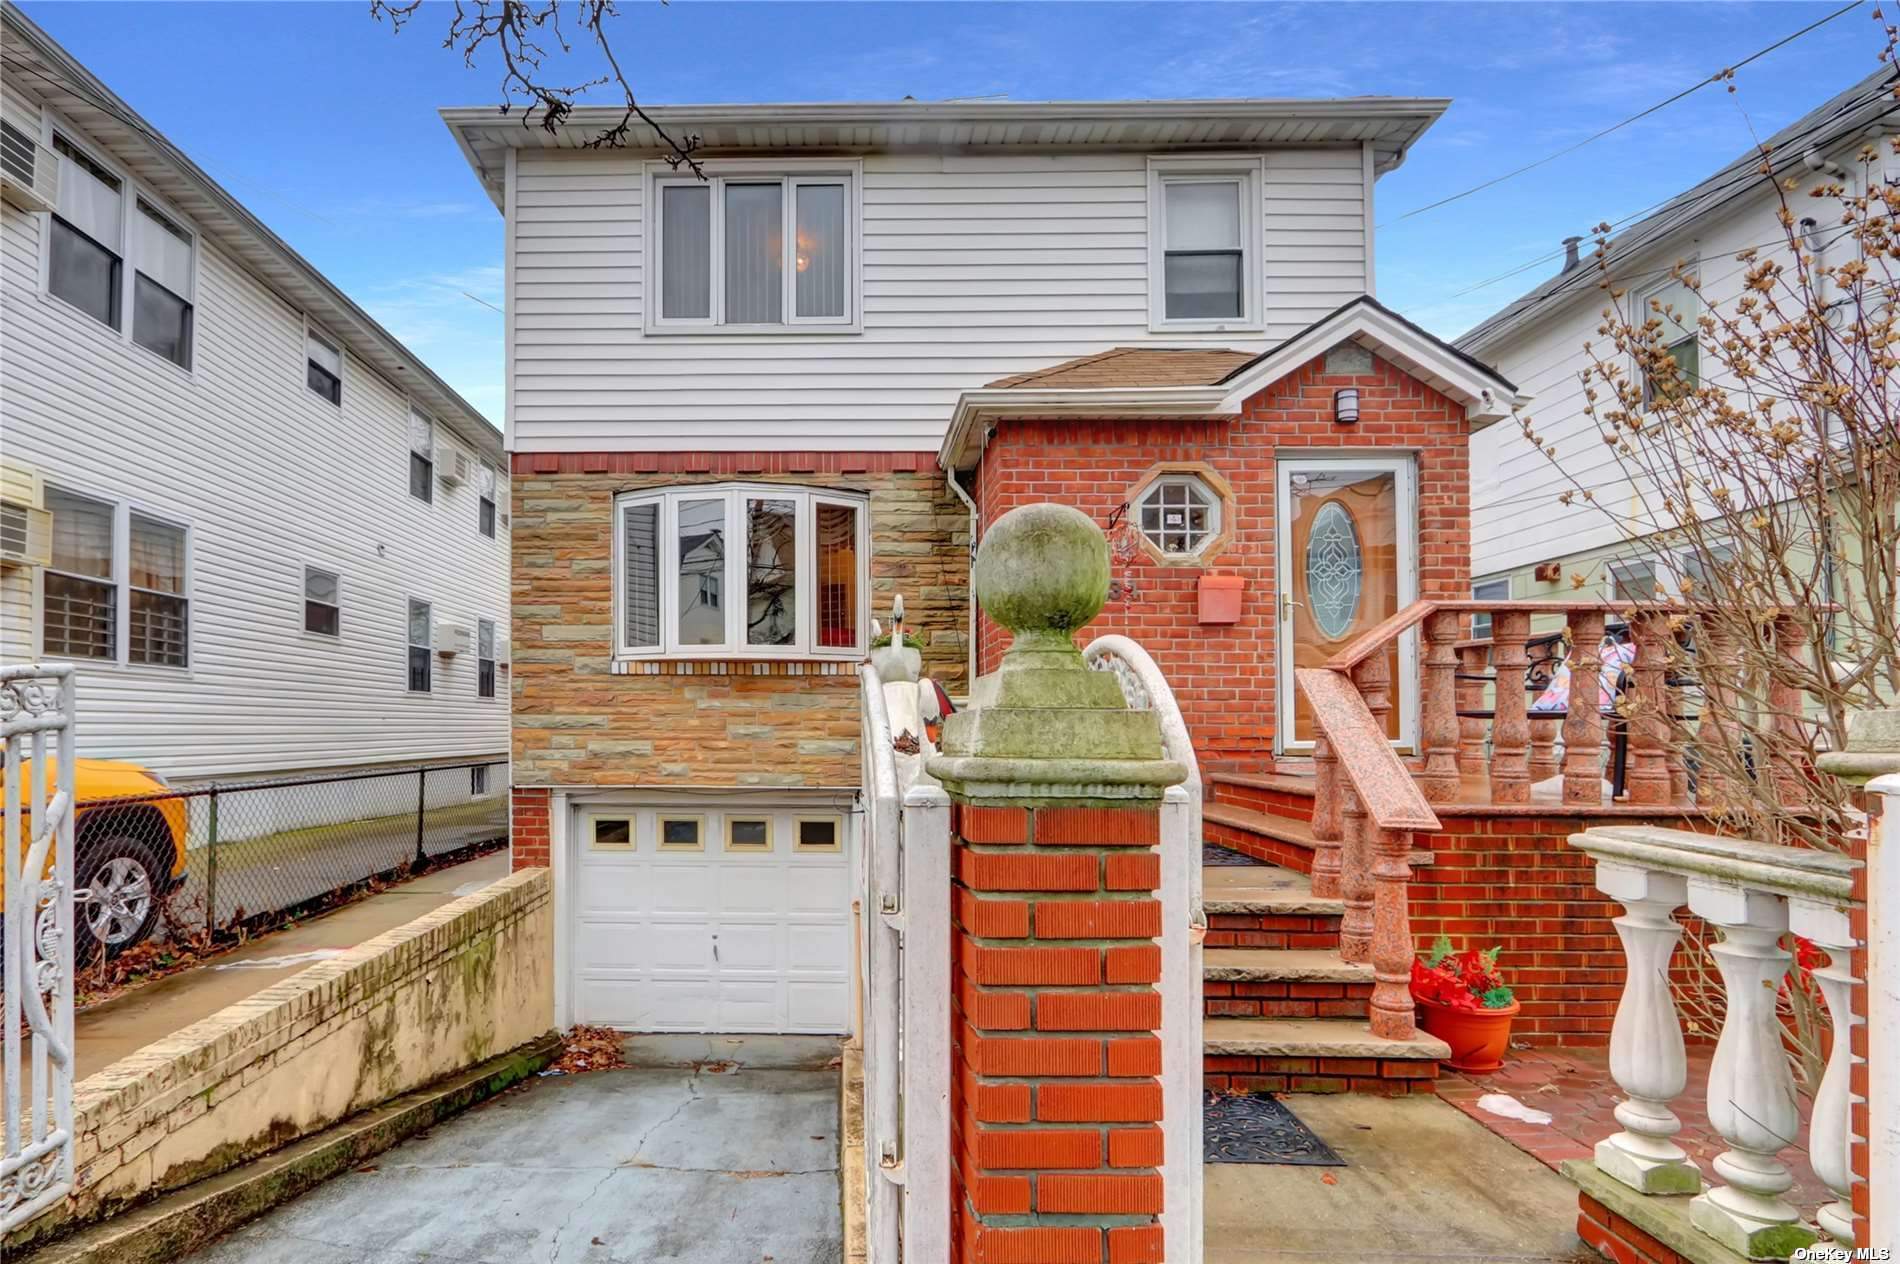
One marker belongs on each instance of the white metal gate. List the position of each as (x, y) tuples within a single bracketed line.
[(36, 713)]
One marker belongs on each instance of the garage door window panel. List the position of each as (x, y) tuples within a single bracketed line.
[(819, 834), (748, 833), (611, 833), (682, 833)]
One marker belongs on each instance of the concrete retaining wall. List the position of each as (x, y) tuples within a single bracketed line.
[(471, 979)]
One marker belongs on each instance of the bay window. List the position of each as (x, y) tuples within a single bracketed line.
[(753, 251), (740, 570)]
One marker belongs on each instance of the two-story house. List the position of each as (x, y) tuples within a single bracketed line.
[(1526, 542), (749, 405), (267, 536)]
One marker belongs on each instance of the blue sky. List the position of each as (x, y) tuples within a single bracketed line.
[(324, 123)]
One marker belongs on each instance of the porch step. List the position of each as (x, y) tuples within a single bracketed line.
[(1275, 839), (1304, 1055), (1282, 965), (1264, 889)]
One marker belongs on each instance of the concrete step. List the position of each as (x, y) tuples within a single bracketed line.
[(1282, 965), (1277, 839), (1313, 1038), (1263, 889)]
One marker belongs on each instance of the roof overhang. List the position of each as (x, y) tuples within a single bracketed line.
[(1486, 397), (73, 92), (1389, 124)]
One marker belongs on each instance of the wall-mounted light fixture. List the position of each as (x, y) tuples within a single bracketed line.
[(1346, 406)]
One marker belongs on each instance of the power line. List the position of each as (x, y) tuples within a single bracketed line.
[(1718, 77)]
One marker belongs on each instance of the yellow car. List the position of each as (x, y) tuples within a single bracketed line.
[(130, 851)]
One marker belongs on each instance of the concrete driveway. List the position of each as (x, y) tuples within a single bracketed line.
[(731, 1161)]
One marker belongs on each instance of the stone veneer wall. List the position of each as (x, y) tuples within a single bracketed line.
[(726, 724), (452, 988), (1224, 676)]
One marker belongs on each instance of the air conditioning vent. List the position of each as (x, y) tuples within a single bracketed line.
[(29, 171), (26, 535), (457, 469), (452, 639)]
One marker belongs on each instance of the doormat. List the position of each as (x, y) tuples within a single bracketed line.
[(1222, 857), (1255, 1128)]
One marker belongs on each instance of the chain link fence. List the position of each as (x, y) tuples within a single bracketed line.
[(236, 858)]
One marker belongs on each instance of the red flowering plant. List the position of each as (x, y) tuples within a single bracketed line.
[(1462, 980)]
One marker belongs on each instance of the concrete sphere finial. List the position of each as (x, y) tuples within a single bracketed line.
[(1042, 569)]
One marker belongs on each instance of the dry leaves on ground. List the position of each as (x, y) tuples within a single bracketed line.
[(588, 1049)]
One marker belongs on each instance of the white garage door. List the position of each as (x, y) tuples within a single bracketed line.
[(711, 919)]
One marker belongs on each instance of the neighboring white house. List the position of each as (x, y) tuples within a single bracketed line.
[(269, 537), (1524, 543)]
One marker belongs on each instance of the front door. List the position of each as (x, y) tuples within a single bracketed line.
[(1348, 560)]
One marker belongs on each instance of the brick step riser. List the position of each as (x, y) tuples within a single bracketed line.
[(1295, 807), (1228, 1073), (1273, 930), (1270, 851), (1239, 999)]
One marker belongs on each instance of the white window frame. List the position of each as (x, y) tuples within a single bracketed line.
[(1691, 268), (409, 645), (1249, 171), (1481, 623), (131, 191), (304, 610), (1198, 485), (410, 454), (312, 329), (488, 495), (121, 580), (735, 495), (492, 662), (791, 174), (1662, 575)]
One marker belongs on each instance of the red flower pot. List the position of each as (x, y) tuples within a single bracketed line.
[(1478, 1037)]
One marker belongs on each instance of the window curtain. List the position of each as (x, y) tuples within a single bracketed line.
[(755, 263), (329, 359), (164, 252), (686, 252), (158, 556), (92, 205), (82, 534), (419, 623), (837, 527), (640, 552), (821, 262)]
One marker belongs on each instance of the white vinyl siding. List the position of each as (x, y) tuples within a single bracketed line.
[(973, 268), (270, 479), (1517, 519)]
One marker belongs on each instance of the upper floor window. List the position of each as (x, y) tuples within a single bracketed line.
[(746, 251), (1204, 236), (741, 570), (322, 602), (83, 259), (323, 366), (485, 510), (162, 287), (421, 644), (484, 658), (421, 456), (1674, 307)]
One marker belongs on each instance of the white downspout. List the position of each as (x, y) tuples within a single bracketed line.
[(976, 521)]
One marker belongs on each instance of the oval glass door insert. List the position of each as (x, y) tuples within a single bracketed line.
[(1335, 567)]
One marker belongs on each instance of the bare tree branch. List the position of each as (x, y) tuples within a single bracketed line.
[(514, 31)]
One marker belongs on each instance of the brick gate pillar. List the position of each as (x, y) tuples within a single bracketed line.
[(1055, 1100)]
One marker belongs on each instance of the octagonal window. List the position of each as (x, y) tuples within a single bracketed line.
[(1179, 514)]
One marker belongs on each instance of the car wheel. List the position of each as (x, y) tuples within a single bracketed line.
[(122, 882)]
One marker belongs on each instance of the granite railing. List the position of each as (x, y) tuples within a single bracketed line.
[(1754, 894)]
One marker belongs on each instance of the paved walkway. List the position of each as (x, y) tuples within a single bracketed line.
[(719, 1164), (106, 1032), (1422, 1182), (1573, 1087)]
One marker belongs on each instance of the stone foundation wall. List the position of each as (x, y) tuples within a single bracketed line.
[(449, 990)]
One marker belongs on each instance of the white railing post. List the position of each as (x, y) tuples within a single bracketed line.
[(1646, 1051), (1883, 1009), (1829, 1134), (924, 1161), (1751, 1089), (882, 865), (36, 1164)]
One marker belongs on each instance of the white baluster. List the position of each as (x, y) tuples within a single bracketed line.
[(1830, 1137), (1646, 1053), (1751, 1090)]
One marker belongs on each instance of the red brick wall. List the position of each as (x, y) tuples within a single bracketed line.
[(1055, 1099), (1223, 675), (528, 827)]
